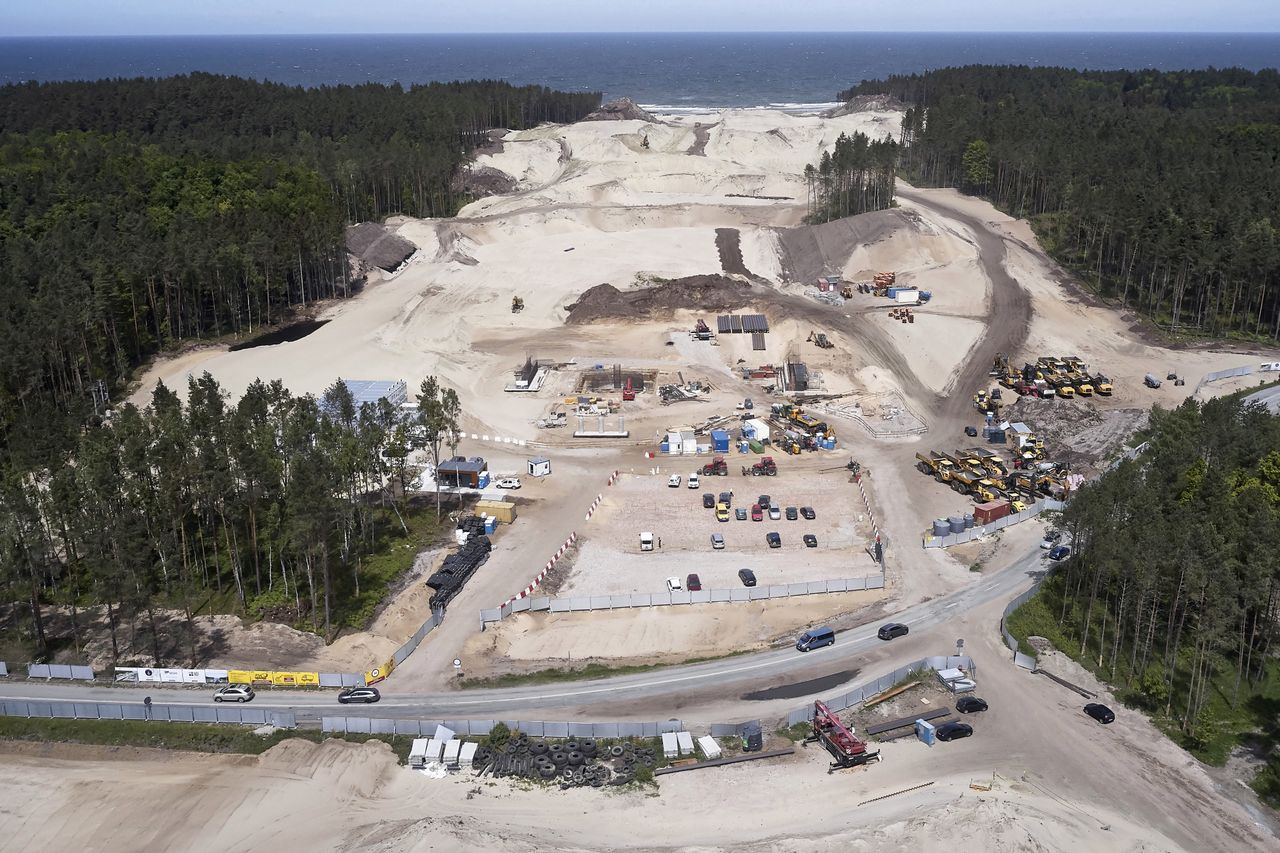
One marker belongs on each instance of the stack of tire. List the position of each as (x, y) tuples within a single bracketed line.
[(627, 757), (575, 762), (459, 566)]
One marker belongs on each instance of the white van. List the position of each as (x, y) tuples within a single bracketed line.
[(693, 481), (646, 541)]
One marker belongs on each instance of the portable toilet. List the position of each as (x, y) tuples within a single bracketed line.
[(684, 741), (670, 747), (710, 749), (719, 441)]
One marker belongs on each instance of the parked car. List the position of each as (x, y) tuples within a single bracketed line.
[(726, 498), (774, 540), (367, 695), (775, 513), (234, 693), (673, 481), (757, 514), (1101, 713), (953, 731), (708, 500), (693, 481), (693, 583), (508, 483), (892, 630), (810, 541), (747, 577), (971, 431), (763, 500), (970, 705), (717, 541), (1058, 553), (808, 513), (740, 513), (815, 638), (1053, 537), (673, 585), (722, 512), (792, 513)]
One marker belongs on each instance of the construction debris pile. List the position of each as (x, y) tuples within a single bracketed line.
[(459, 566), (688, 391), (798, 430), (885, 285), (574, 762)]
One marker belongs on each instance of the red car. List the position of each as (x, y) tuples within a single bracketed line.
[(757, 514), (693, 583)]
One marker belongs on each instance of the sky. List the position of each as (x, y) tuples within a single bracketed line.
[(228, 17)]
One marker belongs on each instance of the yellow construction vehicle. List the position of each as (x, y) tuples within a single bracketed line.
[(990, 460), (970, 461), (985, 490), (964, 482), (935, 465), (517, 304), (1063, 388), (1102, 385), (1083, 387)]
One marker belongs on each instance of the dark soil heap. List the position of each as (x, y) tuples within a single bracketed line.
[(604, 302), (867, 104), (622, 109), (376, 246)]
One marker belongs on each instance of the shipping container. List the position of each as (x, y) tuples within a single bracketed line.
[(990, 511)]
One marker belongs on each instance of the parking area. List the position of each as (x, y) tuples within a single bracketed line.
[(609, 559)]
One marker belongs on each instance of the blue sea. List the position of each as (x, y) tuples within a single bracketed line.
[(684, 71)]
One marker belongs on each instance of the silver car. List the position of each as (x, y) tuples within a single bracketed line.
[(234, 693), (717, 541)]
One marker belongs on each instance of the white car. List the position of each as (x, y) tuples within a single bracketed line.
[(233, 693), (693, 481), (673, 481), (674, 585), (508, 483)]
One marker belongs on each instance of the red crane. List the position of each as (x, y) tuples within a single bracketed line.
[(628, 392), (847, 749)]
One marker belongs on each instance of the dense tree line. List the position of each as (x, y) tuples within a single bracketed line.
[(273, 500), (856, 176), (1162, 188), (1173, 589), (382, 149)]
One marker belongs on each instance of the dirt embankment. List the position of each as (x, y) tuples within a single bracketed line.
[(729, 245), (809, 251), (622, 109), (604, 302), (701, 136), (867, 103)]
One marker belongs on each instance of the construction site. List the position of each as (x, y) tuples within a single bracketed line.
[(716, 394)]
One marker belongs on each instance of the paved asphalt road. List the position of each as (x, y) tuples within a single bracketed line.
[(718, 682)]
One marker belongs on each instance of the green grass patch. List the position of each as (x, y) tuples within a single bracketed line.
[(795, 733), (585, 672), (185, 737)]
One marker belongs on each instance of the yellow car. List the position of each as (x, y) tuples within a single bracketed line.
[(722, 512)]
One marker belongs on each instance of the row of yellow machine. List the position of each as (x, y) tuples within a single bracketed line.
[(1064, 376), (983, 475)]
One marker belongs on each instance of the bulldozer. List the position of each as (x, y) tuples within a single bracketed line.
[(517, 304)]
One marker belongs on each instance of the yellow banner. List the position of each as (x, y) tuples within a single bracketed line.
[(308, 679), (284, 679), (265, 676), (373, 676), (239, 676)]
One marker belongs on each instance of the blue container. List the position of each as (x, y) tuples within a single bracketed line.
[(664, 446), (719, 441), (744, 447), (484, 480), (490, 525)]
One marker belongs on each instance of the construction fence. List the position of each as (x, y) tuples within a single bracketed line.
[(59, 670), (977, 532), (870, 688), (234, 714), (1022, 660), (1225, 374), (480, 728), (667, 599)]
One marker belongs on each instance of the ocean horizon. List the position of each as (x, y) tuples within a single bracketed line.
[(668, 72)]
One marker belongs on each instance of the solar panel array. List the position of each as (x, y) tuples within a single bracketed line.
[(741, 323)]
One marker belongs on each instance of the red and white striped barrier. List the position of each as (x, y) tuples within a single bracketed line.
[(613, 478), (867, 501), (528, 590), (595, 504)]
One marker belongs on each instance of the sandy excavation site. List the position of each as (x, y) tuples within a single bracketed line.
[(618, 236)]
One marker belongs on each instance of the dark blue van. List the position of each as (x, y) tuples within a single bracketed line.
[(815, 638)]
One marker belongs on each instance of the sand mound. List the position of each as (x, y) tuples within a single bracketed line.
[(867, 104), (605, 302), (810, 251), (622, 109)]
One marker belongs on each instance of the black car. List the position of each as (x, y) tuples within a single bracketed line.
[(792, 513), (367, 695), (810, 541), (1101, 713), (708, 501), (747, 577), (726, 499), (953, 731), (893, 629), (971, 431), (808, 513), (763, 500), (970, 705), (740, 513), (774, 540)]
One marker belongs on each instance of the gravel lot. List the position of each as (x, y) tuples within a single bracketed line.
[(610, 561)]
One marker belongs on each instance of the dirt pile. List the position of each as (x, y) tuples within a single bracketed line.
[(1077, 431), (604, 302), (376, 246), (809, 251), (867, 103), (622, 109), (729, 245), (483, 181)]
